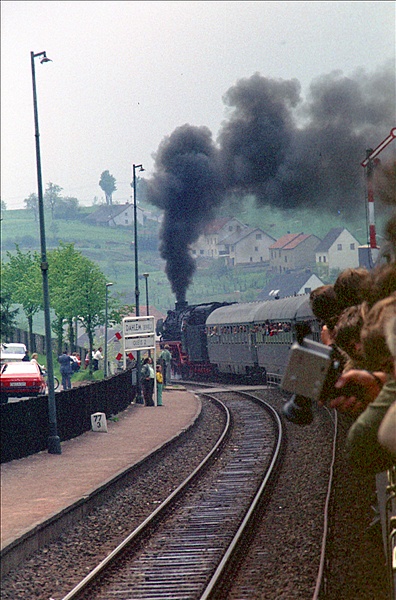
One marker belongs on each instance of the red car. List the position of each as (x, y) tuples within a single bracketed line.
[(20, 379)]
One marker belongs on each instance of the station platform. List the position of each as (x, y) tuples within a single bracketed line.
[(35, 488)]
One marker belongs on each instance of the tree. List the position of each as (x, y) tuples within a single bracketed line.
[(64, 264), (22, 277), (78, 291), (8, 312), (32, 204), (52, 196), (66, 208), (90, 301), (3, 205), (107, 183)]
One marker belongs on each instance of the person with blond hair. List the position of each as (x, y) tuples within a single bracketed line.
[(34, 359)]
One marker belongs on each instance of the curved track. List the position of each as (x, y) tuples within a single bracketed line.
[(187, 546)]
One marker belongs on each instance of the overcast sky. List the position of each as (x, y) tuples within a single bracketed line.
[(126, 74)]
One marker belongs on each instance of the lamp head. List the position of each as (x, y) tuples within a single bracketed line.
[(108, 284), (45, 59)]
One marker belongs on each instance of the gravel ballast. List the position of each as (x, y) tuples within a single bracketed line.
[(293, 522)]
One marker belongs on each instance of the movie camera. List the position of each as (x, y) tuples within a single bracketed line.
[(311, 373)]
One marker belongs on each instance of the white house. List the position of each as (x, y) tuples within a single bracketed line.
[(249, 246), (233, 241), (117, 215), (338, 250), (293, 251), (207, 244)]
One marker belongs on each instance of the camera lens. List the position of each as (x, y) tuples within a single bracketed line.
[(298, 410)]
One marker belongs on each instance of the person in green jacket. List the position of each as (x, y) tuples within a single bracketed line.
[(363, 447), (166, 358)]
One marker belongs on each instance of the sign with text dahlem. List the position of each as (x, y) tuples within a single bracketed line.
[(139, 333)]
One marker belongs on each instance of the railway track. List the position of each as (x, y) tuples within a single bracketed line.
[(285, 556), (187, 547)]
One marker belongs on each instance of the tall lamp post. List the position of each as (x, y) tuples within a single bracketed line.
[(146, 276), (54, 446), (139, 397), (106, 319)]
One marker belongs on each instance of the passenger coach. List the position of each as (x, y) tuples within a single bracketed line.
[(254, 338)]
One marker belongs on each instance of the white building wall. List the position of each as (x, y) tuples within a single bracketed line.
[(341, 255), (312, 283), (245, 250)]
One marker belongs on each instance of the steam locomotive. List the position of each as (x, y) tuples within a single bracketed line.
[(241, 340)]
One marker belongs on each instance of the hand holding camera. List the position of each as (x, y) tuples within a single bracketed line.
[(355, 390)]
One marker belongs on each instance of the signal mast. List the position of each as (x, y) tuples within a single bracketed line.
[(369, 162)]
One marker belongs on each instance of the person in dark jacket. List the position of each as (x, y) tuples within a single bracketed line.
[(148, 380), (65, 362)]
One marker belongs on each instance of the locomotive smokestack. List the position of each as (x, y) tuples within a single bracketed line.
[(180, 305), (181, 302)]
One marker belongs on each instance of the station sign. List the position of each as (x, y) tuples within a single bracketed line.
[(138, 325), (141, 342), (139, 334)]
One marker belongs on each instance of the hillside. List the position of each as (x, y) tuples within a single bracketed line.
[(113, 250)]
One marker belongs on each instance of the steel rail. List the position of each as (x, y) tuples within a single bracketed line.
[(134, 535), (229, 555)]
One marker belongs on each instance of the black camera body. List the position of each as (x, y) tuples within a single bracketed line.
[(311, 373)]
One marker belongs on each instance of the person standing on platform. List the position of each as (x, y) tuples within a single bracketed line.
[(148, 380), (160, 381), (166, 359)]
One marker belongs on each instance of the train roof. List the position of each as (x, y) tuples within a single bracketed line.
[(284, 309)]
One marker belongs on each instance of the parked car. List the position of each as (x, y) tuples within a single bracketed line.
[(19, 379), (12, 351)]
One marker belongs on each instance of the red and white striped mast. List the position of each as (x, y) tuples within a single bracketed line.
[(370, 163)]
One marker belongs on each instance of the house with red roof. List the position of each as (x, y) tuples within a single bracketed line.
[(293, 251)]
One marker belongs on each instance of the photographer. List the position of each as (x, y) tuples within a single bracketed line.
[(387, 429), (363, 446), (323, 301)]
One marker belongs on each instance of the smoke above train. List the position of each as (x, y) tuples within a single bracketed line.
[(283, 150)]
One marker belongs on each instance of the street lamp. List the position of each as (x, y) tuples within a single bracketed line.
[(139, 397), (54, 446), (146, 276), (105, 343)]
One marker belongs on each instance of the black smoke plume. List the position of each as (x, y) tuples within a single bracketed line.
[(285, 151), (187, 187)]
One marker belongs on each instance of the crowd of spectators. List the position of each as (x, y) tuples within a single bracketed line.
[(358, 316), (268, 328)]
